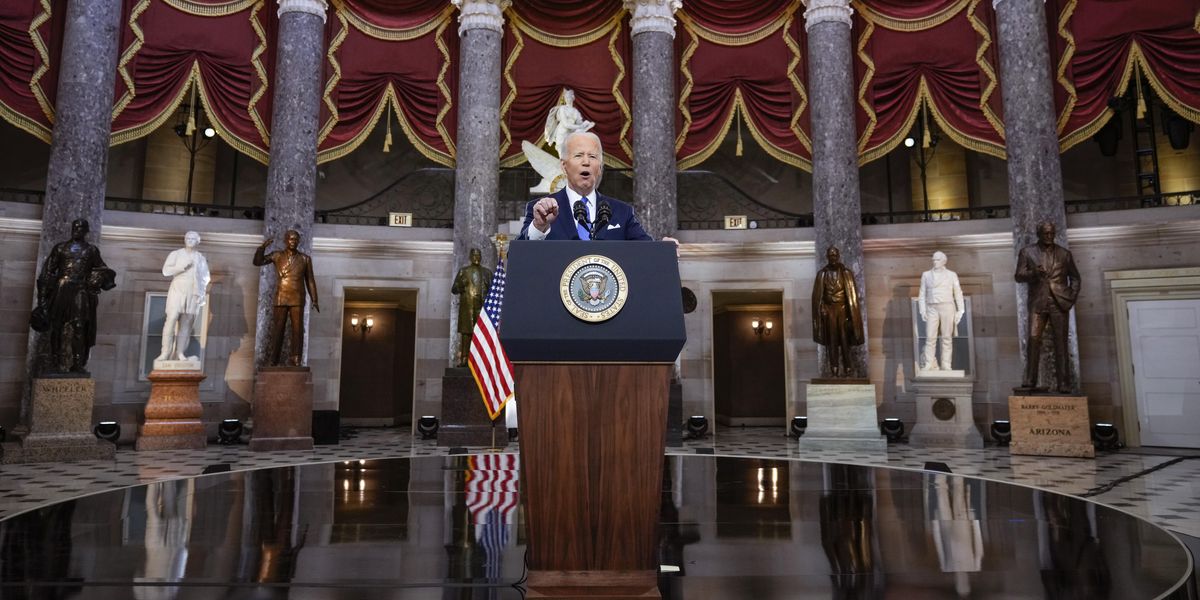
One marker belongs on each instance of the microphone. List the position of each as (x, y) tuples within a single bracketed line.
[(603, 215), (580, 212)]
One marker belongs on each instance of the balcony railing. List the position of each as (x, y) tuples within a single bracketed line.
[(437, 212)]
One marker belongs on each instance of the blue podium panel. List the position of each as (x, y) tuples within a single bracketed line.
[(536, 325)]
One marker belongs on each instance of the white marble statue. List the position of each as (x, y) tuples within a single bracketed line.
[(185, 299), (562, 121), (940, 302)]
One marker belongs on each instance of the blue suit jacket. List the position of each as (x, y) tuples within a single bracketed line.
[(622, 226)]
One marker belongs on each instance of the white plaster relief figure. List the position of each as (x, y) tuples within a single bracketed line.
[(186, 297), (940, 302)]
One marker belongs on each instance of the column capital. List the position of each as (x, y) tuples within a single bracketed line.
[(480, 14), (312, 7), (652, 15), (824, 11)]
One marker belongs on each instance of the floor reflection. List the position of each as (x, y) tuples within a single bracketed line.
[(452, 527)]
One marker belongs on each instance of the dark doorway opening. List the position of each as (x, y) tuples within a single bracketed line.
[(378, 357), (749, 372)]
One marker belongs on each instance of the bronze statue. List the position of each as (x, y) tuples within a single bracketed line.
[(295, 272), (1049, 270), (67, 291), (471, 285), (837, 316)]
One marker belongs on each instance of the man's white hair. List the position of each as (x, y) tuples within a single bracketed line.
[(587, 134), (939, 254)]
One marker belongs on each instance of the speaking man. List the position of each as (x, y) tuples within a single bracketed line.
[(588, 213)]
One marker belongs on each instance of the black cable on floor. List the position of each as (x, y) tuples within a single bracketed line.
[(1108, 487)]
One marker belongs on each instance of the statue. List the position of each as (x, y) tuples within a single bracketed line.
[(837, 316), (562, 121), (295, 272), (471, 285), (186, 297), (940, 303), (68, 288), (1049, 270)]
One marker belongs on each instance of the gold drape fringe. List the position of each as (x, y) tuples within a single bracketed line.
[(740, 39), (627, 116), (564, 41), (863, 86), (331, 56), (922, 23), (1064, 62), (24, 123), (985, 67), (505, 133), (393, 35), (221, 9), (447, 100), (798, 85), (261, 72), (388, 101), (686, 92), (35, 82), (139, 38)]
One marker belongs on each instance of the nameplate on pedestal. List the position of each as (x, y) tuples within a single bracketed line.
[(191, 364), (1050, 426)]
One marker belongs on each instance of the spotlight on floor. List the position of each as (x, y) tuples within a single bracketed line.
[(109, 431), (427, 426), (799, 424), (697, 427), (1001, 432), (893, 428), (229, 432), (1106, 437)]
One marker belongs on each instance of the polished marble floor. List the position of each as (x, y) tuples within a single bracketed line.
[(447, 527), (1169, 496)]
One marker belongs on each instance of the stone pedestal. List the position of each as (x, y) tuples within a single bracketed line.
[(842, 416), (60, 424), (464, 419), (944, 411), (283, 401), (1050, 426), (173, 412)]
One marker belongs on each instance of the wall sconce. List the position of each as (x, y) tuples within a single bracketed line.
[(366, 324), (762, 327)]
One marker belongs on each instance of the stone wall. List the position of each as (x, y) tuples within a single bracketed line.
[(359, 257)]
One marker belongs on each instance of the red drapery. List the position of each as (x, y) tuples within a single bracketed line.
[(932, 61), (550, 46), (741, 64), (1098, 45)]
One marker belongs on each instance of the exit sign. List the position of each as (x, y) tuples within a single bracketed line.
[(400, 219), (735, 222)]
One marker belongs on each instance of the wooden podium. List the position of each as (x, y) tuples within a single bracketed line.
[(593, 413)]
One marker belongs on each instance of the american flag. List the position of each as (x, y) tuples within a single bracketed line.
[(492, 484), (489, 363)]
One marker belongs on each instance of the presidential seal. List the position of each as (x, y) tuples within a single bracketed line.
[(593, 288)]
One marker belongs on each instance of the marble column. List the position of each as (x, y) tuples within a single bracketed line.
[(292, 170), (477, 158), (837, 214), (76, 175), (652, 28), (1035, 191)]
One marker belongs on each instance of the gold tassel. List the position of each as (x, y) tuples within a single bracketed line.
[(1137, 83), (737, 114), (191, 124), (926, 136), (387, 139)]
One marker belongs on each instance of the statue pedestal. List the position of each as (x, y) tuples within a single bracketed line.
[(173, 412), (842, 416), (464, 419), (60, 424), (944, 411), (282, 411), (1050, 426)]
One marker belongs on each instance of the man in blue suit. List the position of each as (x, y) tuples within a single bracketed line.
[(583, 163)]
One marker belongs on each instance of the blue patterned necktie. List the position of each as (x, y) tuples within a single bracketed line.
[(583, 232)]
